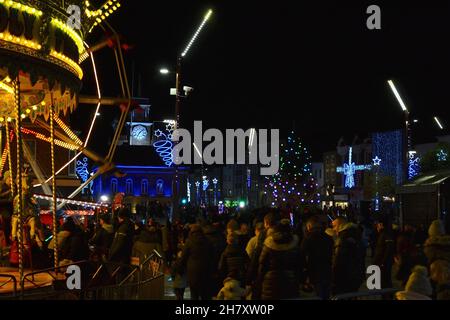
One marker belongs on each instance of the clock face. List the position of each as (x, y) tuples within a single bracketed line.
[(139, 132)]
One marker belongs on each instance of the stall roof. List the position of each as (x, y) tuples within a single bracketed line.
[(425, 183)]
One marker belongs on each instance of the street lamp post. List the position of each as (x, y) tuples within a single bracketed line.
[(179, 96), (406, 135)]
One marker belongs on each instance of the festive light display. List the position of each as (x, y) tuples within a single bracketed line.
[(389, 147), (42, 137), (82, 171), (188, 191), (294, 183), (413, 165), (442, 155), (71, 201), (349, 170), (164, 145)]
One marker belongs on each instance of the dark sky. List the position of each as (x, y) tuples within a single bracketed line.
[(273, 64)]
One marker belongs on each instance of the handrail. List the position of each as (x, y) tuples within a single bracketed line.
[(367, 293), (11, 278)]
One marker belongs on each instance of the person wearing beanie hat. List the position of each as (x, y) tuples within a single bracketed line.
[(418, 286), (436, 229), (231, 290), (437, 246)]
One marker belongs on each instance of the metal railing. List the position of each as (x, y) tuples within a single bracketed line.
[(10, 278), (104, 281), (383, 294)]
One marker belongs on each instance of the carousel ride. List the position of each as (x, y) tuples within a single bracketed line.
[(44, 47)]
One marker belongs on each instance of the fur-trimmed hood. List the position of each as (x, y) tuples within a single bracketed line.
[(281, 242), (443, 241), (410, 295)]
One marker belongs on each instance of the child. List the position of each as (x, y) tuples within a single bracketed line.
[(179, 276), (231, 289)]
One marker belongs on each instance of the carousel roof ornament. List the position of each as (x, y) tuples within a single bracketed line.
[(42, 44)]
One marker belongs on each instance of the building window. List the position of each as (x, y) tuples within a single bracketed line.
[(160, 186), (129, 186), (144, 187), (114, 186)]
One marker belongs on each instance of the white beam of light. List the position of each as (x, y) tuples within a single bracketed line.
[(397, 95), (194, 37), (438, 123)]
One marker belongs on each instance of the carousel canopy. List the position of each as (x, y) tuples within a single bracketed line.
[(42, 44)]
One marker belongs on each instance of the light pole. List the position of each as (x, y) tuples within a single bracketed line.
[(178, 94), (406, 138)]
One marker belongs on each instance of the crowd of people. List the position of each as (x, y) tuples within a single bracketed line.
[(268, 253)]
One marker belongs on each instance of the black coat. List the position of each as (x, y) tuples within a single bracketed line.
[(234, 260), (103, 239), (348, 262), (75, 247), (279, 267), (196, 261), (120, 251), (317, 256)]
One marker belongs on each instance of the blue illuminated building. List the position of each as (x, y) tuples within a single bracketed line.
[(144, 172), (388, 146)]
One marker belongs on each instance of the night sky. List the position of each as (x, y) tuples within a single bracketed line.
[(309, 64)]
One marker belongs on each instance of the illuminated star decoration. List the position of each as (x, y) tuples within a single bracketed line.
[(442, 155), (164, 145), (376, 161), (82, 171)]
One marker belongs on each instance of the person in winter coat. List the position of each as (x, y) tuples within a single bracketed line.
[(418, 286), (231, 290), (316, 253), (253, 242), (120, 251), (437, 246), (218, 242), (103, 237), (279, 265), (234, 259), (145, 242), (348, 265), (75, 246), (196, 260), (440, 274), (384, 252), (179, 277)]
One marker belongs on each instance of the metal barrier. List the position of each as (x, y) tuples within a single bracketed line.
[(10, 278), (105, 281), (383, 294)]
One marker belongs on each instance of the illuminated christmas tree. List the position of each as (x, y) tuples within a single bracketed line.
[(294, 184)]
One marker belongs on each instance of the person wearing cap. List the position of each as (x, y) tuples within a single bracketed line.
[(418, 286), (120, 251)]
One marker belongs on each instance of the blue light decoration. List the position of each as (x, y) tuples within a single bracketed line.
[(413, 165), (376, 165), (81, 168), (205, 183), (197, 189), (164, 145), (442, 156), (215, 181), (349, 170), (188, 191), (249, 178), (389, 147)]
